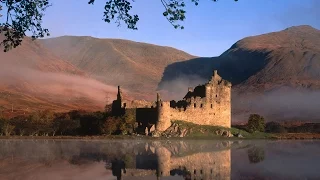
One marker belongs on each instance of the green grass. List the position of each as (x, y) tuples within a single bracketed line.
[(202, 131)]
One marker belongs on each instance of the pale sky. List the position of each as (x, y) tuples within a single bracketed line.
[(210, 28)]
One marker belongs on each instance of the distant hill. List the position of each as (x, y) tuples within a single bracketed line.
[(277, 74), (135, 66)]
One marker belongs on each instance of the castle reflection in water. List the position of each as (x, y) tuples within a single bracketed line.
[(190, 161)]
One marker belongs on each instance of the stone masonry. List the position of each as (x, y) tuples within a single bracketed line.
[(207, 104)]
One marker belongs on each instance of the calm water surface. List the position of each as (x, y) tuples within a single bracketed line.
[(172, 159)]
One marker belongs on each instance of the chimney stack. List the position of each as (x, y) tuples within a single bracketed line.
[(215, 72)]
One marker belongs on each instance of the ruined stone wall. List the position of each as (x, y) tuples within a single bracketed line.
[(138, 104), (213, 110), (208, 104)]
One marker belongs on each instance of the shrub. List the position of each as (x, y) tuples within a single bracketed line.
[(274, 127), (256, 123)]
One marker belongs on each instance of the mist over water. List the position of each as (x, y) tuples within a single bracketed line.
[(174, 159)]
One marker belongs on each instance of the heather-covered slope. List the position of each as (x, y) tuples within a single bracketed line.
[(135, 66)]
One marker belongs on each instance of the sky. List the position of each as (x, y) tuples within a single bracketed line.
[(210, 28)]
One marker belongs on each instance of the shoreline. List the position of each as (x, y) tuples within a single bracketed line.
[(284, 136)]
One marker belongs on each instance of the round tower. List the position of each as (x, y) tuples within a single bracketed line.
[(164, 164), (163, 110)]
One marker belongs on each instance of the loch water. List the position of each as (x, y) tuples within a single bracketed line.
[(28, 159)]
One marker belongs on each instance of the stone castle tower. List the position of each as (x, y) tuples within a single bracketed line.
[(207, 104)]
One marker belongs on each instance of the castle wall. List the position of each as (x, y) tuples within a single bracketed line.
[(216, 116), (208, 104), (138, 104), (215, 109)]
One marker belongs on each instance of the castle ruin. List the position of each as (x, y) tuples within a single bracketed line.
[(207, 104)]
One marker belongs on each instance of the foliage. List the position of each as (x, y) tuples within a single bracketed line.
[(110, 126), (23, 16), (274, 127), (256, 154), (128, 121), (256, 123), (5, 127), (305, 128), (64, 125), (40, 123), (90, 123)]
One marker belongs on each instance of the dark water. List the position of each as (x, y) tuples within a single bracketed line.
[(187, 159)]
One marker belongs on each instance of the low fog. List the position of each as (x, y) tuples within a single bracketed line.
[(276, 105), (291, 104), (56, 87)]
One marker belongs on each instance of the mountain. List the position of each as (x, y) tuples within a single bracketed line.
[(276, 74), (34, 78), (138, 67)]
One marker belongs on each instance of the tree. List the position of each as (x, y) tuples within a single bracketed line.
[(256, 123), (65, 125), (256, 154), (110, 126), (23, 16), (40, 123)]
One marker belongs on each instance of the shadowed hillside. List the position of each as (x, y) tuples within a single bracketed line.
[(273, 74), (136, 66)]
